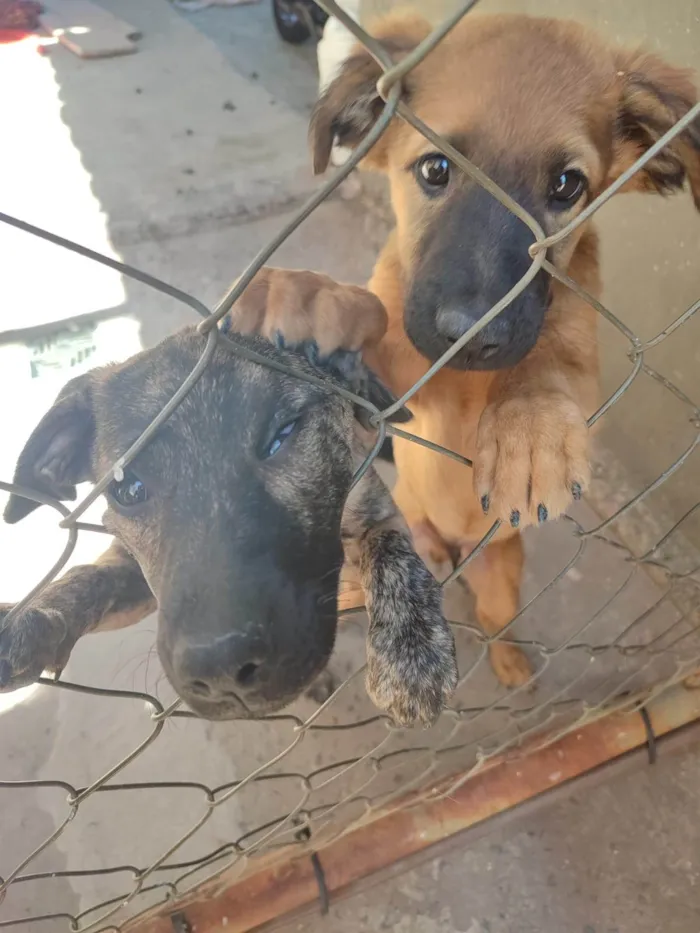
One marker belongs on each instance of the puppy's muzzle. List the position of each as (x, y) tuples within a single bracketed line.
[(453, 321), (250, 657)]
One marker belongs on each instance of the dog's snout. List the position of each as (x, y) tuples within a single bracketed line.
[(465, 265), (226, 668), (233, 652), (244, 678), (453, 322)]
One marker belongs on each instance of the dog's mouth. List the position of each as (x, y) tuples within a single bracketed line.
[(231, 704), (234, 707), (482, 357), (501, 344), (487, 358), (260, 681)]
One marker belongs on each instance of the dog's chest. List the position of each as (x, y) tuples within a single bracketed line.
[(439, 486)]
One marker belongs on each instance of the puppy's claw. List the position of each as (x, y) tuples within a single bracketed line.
[(532, 456), (312, 351)]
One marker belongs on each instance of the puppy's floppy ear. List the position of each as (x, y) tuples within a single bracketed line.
[(654, 96), (350, 106), (57, 455)]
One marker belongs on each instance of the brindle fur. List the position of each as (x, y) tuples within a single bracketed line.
[(525, 99), (175, 554)]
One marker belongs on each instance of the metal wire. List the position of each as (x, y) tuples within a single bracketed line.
[(586, 667)]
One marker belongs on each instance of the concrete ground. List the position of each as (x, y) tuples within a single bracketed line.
[(184, 159), (622, 858)]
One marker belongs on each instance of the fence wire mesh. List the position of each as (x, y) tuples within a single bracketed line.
[(326, 771)]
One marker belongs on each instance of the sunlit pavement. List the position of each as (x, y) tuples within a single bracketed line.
[(46, 184)]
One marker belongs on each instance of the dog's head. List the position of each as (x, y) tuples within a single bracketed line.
[(551, 113), (233, 509)]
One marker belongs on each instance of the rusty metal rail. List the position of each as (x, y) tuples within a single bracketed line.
[(276, 886)]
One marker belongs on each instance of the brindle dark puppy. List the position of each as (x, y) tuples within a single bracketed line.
[(233, 521)]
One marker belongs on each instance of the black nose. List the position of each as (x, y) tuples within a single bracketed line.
[(230, 668), (453, 321)]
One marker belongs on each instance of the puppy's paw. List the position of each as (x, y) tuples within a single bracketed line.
[(31, 643), (411, 656), (531, 457), (301, 306), (510, 664), (413, 681)]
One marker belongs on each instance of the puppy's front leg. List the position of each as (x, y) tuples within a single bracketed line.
[(411, 659), (111, 593), (532, 456)]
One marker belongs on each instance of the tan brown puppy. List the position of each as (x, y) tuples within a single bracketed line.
[(553, 114)]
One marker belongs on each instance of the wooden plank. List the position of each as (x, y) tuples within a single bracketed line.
[(89, 31)]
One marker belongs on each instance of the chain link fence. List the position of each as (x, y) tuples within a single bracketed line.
[(628, 638)]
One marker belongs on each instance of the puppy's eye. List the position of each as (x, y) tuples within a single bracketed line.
[(433, 171), (280, 438), (129, 492), (567, 188)]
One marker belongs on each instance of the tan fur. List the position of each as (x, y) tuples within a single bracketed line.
[(307, 304), (513, 86), (117, 620)]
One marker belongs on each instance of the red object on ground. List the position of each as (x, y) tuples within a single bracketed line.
[(19, 15)]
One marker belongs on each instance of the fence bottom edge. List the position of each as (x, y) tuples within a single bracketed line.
[(422, 826)]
